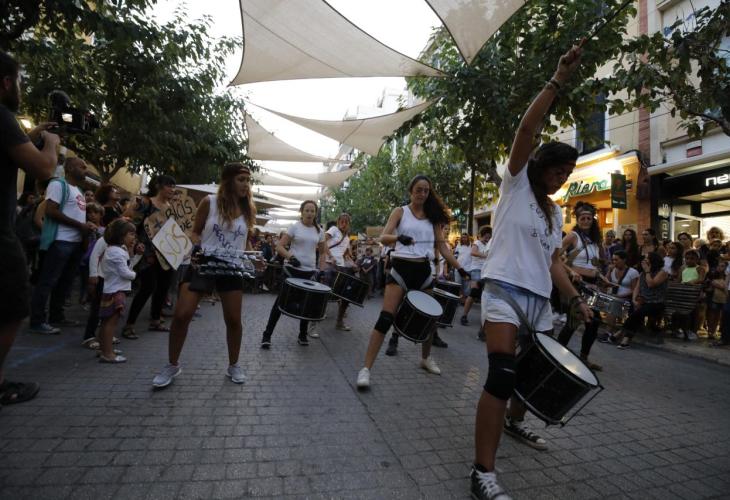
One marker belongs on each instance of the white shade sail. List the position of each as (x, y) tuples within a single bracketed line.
[(296, 39), (326, 179), (213, 189), (263, 145), (365, 134), (472, 22)]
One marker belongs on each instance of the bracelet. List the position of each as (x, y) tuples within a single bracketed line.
[(555, 83), (577, 299)]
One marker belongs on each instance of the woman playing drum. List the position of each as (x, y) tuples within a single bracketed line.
[(415, 229), (339, 258), (524, 256), (303, 240), (222, 222), (583, 243)]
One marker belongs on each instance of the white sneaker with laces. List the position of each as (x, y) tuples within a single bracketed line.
[(236, 374), (484, 486), (164, 378), (430, 366), (363, 379)]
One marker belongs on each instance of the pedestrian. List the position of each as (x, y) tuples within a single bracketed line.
[(17, 150), (367, 265), (630, 245), (154, 280), (479, 252), (64, 229), (416, 230), (650, 243), (108, 196), (304, 238), (674, 260), (94, 214), (462, 252), (583, 243), (524, 256), (222, 222), (116, 268), (338, 257)]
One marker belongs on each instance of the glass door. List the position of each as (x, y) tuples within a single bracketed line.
[(683, 223)]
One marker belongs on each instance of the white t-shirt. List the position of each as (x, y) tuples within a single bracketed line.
[(668, 261), (587, 251), (338, 245), (522, 246), (624, 289), (304, 241), (74, 208), (116, 269), (463, 255), (478, 262)]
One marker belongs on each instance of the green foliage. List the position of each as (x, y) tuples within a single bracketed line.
[(479, 109), (686, 71), (152, 86), (372, 193)]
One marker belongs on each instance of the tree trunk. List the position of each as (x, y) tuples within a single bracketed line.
[(472, 185)]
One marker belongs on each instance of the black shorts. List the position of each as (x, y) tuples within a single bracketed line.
[(207, 284), (14, 281), (414, 272)]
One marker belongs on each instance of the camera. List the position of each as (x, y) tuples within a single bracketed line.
[(70, 120)]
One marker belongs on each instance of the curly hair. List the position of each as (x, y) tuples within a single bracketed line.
[(548, 155)]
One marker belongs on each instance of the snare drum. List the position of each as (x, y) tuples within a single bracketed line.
[(417, 315), (304, 299), (448, 286), (608, 304), (350, 288), (449, 303), (551, 380)]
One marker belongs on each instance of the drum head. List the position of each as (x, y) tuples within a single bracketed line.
[(567, 359), (444, 293), (425, 303), (308, 285)]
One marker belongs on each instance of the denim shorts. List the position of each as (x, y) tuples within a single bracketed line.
[(476, 274), (535, 307)]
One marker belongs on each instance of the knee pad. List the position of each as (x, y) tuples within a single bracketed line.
[(502, 375), (475, 293), (385, 321)]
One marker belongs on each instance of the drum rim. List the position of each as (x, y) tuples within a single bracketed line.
[(414, 292), (282, 311), (561, 367), (361, 304), (293, 283), (349, 276), (409, 338), (441, 291)]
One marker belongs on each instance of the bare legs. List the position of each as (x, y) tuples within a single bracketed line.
[(391, 300)]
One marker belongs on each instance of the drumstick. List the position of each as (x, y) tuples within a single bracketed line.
[(603, 24)]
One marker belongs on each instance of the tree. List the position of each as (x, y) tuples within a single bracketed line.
[(479, 108), (687, 71), (152, 86)]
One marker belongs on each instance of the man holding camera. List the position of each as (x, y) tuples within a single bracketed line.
[(16, 151)]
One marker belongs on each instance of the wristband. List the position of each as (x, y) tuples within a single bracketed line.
[(555, 83)]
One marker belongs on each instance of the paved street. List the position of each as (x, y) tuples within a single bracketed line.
[(299, 429)]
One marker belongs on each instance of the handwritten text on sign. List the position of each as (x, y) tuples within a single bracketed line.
[(172, 243)]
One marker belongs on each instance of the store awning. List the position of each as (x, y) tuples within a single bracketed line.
[(296, 39), (264, 145), (472, 22), (365, 134)]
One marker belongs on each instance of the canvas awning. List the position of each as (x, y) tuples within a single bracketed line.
[(365, 134), (296, 39), (264, 145), (326, 179), (213, 189), (472, 22)]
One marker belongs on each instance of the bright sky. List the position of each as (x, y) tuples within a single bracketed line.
[(404, 25)]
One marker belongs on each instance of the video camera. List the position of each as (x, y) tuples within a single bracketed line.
[(70, 120)]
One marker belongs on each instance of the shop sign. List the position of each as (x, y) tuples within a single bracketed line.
[(618, 191), (717, 180), (581, 188)]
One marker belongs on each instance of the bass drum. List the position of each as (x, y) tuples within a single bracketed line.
[(449, 303), (349, 288), (448, 286), (304, 299), (551, 380), (417, 315)]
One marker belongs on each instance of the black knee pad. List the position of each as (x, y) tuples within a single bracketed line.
[(502, 375), (475, 293), (385, 321)]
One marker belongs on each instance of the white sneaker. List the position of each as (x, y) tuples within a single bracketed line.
[(164, 378), (236, 374), (430, 366), (363, 379), (484, 486)]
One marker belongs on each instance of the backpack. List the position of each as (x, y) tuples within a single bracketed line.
[(27, 232), (50, 226)]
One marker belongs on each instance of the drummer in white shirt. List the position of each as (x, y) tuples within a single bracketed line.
[(338, 257), (462, 252), (479, 252)]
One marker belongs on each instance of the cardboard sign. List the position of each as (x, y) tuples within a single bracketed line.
[(182, 209), (172, 243)]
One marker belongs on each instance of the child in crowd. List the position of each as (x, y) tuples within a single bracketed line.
[(718, 297), (116, 269), (94, 214)]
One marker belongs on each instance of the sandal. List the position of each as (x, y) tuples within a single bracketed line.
[(116, 351), (17, 392), (115, 360), (158, 327), (90, 343), (115, 340), (128, 333)]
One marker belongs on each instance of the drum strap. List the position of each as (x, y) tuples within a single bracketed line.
[(399, 279)]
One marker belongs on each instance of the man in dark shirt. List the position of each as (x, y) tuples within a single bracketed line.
[(16, 151)]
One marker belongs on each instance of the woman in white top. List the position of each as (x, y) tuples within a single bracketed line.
[(524, 261), (303, 238), (622, 279), (479, 252), (416, 231), (463, 255), (583, 246), (338, 257), (221, 222)]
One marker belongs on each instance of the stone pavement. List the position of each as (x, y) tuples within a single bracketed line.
[(299, 429)]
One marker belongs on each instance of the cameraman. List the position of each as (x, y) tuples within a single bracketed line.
[(16, 151)]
